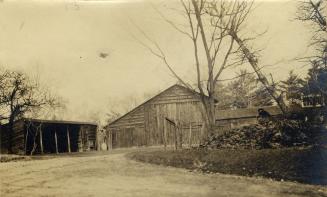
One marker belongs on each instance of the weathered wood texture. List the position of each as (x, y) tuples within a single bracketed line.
[(42, 136), (144, 126)]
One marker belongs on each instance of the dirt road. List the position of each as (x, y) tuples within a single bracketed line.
[(115, 175)]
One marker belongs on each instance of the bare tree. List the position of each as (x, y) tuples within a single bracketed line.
[(214, 28), (240, 10), (20, 96), (209, 35), (3, 75), (313, 13)]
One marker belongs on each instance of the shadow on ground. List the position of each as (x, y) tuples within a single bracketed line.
[(304, 165)]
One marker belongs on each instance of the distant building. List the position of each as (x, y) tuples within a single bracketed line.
[(49, 136), (313, 100), (229, 119)]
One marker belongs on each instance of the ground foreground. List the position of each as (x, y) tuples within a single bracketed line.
[(115, 175)]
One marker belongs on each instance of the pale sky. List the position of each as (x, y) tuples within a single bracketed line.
[(60, 41)]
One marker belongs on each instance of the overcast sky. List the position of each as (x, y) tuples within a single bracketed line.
[(85, 51)]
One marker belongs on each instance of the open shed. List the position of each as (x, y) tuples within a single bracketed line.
[(35, 136)]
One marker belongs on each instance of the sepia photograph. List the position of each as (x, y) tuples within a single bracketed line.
[(167, 98)]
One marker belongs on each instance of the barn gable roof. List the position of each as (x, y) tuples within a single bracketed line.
[(154, 97)]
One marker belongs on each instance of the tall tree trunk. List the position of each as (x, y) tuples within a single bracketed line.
[(208, 116)]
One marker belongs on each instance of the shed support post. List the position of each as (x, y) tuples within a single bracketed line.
[(41, 139), (81, 145), (68, 140), (56, 141), (28, 128)]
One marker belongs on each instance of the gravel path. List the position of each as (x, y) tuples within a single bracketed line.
[(115, 175)]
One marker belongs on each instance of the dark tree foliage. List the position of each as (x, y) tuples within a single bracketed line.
[(292, 87), (262, 97)]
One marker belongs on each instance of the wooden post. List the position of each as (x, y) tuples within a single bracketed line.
[(68, 140), (165, 133), (41, 139), (180, 135), (26, 139), (158, 125), (81, 144), (175, 135), (202, 132), (109, 140), (190, 136), (56, 141)]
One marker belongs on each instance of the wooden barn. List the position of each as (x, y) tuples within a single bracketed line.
[(34, 136), (155, 121), (151, 123)]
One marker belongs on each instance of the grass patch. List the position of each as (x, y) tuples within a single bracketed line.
[(305, 165), (9, 158)]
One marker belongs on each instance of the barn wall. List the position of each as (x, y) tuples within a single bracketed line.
[(144, 126), (128, 131)]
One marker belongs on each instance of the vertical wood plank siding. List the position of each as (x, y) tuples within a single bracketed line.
[(144, 126)]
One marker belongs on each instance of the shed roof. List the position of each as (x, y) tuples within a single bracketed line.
[(60, 121)]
